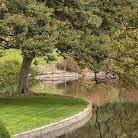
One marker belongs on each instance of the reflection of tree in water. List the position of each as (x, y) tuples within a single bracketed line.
[(96, 94), (118, 120), (64, 85)]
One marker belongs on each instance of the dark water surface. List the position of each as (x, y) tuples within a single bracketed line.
[(115, 111)]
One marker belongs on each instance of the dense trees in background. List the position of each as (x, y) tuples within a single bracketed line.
[(110, 41), (120, 22), (99, 34)]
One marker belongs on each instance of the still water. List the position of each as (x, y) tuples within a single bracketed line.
[(115, 111)]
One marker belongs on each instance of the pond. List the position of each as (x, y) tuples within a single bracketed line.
[(115, 111)]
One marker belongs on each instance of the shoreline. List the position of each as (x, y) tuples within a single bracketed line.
[(61, 127)]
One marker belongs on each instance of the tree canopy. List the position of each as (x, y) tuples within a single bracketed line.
[(112, 40)]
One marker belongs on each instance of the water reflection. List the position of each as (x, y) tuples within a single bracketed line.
[(116, 120), (96, 94), (115, 112), (85, 89)]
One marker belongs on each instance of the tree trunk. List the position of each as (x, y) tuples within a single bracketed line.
[(96, 79), (23, 78)]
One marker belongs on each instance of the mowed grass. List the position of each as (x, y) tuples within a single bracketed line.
[(24, 113), (49, 91)]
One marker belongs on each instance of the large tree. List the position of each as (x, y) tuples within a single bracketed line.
[(27, 25)]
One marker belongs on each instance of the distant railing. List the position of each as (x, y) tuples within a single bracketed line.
[(59, 128)]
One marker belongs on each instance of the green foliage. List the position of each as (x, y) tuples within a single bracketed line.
[(3, 131), (129, 79), (95, 50), (123, 57), (90, 51), (112, 41), (31, 28), (114, 13), (54, 57)]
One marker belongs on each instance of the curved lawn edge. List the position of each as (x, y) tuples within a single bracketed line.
[(61, 127), (35, 111)]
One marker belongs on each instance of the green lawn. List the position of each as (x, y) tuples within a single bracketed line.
[(24, 113), (50, 91)]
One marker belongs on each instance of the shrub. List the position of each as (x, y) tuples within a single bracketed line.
[(9, 72), (129, 79), (3, 131)]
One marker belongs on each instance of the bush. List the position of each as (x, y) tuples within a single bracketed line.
[(8, 76), (3, 131), (129, 79)]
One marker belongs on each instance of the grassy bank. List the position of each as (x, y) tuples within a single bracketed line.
[(50, 91), (25, 113)]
